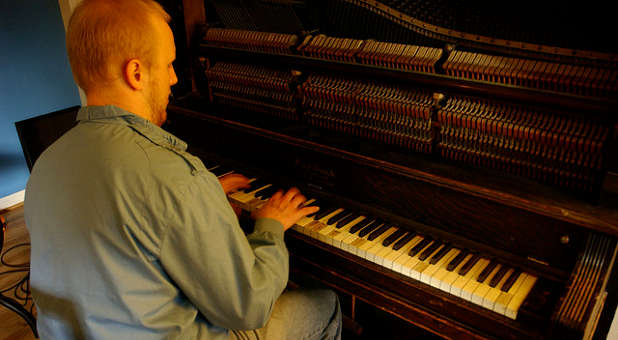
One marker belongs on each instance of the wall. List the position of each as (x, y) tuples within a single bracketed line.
[(35, 78)]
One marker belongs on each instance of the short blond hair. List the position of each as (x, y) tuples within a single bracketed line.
[(103, 34)]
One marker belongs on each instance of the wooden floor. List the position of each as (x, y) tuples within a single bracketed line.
[(15, 253)]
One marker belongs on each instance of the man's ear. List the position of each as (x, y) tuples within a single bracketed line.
[(135, 74)]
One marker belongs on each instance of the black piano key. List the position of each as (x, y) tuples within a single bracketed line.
[(420, 246), (468, 265), (393, 237), (266, 192), (324, 211), (360, 225), (270, 191), (374, 234), (310, 204), (209, 164), (404, 240), (220, 170), (511, 280), (259, 192), (485, 273), (315, 203), (340, 215), (433, 247), (247, 174), (457, 260), (347, 219), (370, 227), (258, 183), (439, 255), (499, 275)]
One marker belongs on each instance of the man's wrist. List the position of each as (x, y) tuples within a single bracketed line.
[(267, 224)]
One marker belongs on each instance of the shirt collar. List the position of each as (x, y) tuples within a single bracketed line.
[(143, 126)]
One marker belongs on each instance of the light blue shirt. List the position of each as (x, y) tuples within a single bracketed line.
[(132, 238)]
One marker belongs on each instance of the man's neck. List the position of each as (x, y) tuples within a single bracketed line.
[(127, 103)]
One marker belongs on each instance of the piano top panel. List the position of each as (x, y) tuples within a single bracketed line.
[(577, 27), (581, 27)]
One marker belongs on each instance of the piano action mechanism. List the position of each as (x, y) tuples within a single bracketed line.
[(465, 169)]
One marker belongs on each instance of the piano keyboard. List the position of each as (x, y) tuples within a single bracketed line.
[(483, 281)]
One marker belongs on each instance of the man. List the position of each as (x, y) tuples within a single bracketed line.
[(132, 238)]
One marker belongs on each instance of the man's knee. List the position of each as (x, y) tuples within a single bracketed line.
[(314, 300)]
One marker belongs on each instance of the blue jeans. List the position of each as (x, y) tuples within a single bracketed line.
[(300, 314)]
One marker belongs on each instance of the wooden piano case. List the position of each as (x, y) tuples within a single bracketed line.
[(447, 172)]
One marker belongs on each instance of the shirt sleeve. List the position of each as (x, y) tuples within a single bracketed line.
[(232, 278)]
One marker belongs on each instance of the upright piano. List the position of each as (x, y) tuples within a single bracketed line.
[(463, 154)]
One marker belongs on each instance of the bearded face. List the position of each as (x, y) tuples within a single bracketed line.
[(162, 74)]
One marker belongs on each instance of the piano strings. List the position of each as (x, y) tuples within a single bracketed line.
[(546, 146)]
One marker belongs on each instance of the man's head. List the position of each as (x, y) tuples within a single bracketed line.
[(121, 53)]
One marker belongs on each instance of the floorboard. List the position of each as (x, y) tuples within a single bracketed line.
[(13, 270)]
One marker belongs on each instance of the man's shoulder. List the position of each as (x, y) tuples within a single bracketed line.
[(116, 146), (100, 142)]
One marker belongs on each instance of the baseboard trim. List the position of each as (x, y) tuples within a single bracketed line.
[(12, 200)]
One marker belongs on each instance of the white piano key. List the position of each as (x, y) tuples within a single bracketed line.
[(376, 245), (346, 243), (345, 232), (459, 284), (413, 261), (449, 279), (428, 273), (322, 228), (492, 295), (520, 295), (306, 229), (331, 238), (483, 287), (312, 226), (363, 249), (440, 271), (417, 270), (328, 232), (401, 255), (255, 204), (505, 297), (386, 252), (242, 198)]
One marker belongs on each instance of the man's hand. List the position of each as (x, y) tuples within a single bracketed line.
[(233, 182), (285, 208)]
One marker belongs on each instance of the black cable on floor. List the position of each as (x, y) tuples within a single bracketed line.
[(21, 289)]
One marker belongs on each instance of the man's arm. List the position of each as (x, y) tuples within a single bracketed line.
[(231, 278)]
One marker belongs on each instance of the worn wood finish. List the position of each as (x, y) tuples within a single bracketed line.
[(194, 14)]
